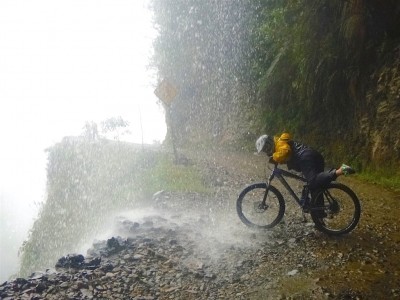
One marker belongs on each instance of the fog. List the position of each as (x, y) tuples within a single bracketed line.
[(63, 63)]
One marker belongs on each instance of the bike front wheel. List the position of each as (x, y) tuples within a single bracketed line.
[(336, 209), (255, 212)]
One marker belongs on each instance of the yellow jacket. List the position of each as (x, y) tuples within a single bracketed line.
[(283, 151)]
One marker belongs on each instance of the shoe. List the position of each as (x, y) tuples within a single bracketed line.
[(347, 170)]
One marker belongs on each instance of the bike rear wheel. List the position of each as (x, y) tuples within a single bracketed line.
[(254, 213), (336, 209)]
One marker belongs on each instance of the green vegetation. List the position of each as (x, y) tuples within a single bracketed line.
[(384, 177), (88, 182), (327, 71), (166, 175)]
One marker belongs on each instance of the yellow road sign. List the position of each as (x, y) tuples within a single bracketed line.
[(166, 92)]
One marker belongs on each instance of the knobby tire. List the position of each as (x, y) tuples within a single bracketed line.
[(340, 212), (248, 206)]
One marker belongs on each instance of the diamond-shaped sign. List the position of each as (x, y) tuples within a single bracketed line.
[(166, 92)]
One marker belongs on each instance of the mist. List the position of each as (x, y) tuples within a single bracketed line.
[(63, 64)]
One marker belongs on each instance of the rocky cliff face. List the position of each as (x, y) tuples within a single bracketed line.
[(327, 72), (372, 141), (379, 123)]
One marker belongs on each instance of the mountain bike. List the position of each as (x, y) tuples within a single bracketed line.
[(334, 209)]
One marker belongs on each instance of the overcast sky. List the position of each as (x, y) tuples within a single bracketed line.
[(63, 63)]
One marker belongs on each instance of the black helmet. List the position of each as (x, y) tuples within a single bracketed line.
[(265, 143)]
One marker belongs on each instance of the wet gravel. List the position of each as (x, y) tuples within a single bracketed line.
[(193, 246)]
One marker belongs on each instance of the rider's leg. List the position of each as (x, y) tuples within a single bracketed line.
[(324, 178), (312, 166)]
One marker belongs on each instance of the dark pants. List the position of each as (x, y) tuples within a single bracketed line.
[(312, 166)]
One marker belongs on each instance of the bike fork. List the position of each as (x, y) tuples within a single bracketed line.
[(267, 189)]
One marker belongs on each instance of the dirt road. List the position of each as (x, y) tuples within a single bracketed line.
[(364, 264)]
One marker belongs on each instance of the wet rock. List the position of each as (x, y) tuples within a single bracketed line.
[(158, 195), (92, 263), (70, 261), (76, 261), (293, 272), (113, 245)]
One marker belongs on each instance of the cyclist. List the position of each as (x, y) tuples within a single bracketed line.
[(301, 158)]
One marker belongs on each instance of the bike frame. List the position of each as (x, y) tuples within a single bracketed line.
[(324, 208), (280, 174)]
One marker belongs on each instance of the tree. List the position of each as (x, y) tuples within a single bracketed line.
[(116, 126)]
